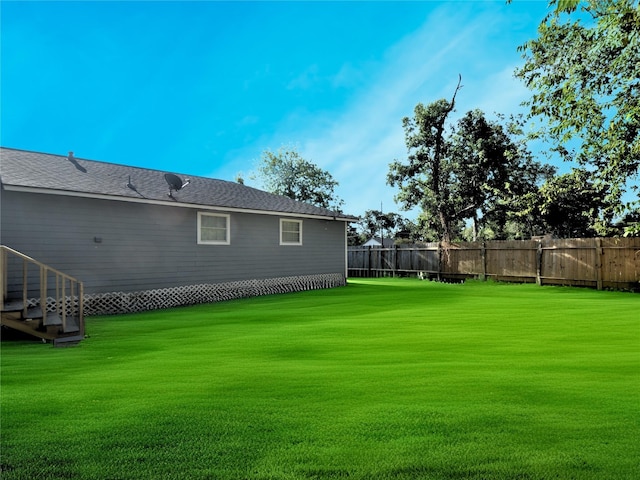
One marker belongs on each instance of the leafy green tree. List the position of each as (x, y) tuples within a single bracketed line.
[(570, 205), (425, 179), (427, 229), (375, 223), (584, 71), (630, 223), (354, 236), (408, 231), (493, 169), (567, 205), (285, 172), (473, 169)]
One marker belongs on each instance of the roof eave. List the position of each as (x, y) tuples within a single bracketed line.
[(174, 203)]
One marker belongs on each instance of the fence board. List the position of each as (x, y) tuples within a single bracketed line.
[(571, 261), (620, 261), (512, 259), (594, 262)]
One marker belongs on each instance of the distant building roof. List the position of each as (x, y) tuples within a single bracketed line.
[(379, 242), (69, 175)]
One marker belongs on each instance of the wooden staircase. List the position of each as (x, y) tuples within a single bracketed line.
[(39, 300)]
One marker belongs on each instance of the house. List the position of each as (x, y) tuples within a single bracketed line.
[(142, 239), (379, 242)]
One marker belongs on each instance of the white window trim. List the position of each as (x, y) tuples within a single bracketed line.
[(226, 241), (299, 222)]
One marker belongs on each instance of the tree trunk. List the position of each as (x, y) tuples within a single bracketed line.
[(445, 221), (446, 227)]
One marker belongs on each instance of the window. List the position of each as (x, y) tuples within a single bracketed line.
[(213, 229), (290, 232)]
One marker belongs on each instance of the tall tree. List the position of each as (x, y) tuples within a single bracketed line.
[(424, 180), (584, 71), (570, 205), (493, 168), (375, 223), (285, 172), (473, 169)]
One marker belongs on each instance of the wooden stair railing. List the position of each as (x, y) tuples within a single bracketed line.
[(58, 318)]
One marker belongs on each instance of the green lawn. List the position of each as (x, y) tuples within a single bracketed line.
[(383, 379)]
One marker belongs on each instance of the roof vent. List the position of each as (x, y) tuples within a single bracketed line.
[(73, 160)]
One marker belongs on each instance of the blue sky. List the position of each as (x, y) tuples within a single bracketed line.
[(202, 88)]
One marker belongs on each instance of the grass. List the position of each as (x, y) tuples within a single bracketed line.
[(383, 379)]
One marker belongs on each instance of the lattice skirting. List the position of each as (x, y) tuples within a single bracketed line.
[(126, 302), (71, 304)]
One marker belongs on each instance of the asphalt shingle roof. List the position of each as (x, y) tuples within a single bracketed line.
[(23, 168)]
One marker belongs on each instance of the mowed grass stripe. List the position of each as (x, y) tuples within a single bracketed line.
[(386, 378)]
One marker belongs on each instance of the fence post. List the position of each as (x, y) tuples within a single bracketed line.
[(395, 260), (598, 265), (439, 260), (483, 254), (369, 263)]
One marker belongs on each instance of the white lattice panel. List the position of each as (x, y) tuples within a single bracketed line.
[(125, 302)]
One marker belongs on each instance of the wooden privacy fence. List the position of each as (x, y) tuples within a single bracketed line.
[(592, 262)]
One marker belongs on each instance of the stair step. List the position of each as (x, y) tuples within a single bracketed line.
[(12, 305), (34, 312), (53, 319), (73, 325), (67, 341)]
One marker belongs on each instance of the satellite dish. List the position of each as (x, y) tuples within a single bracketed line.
[(175, 182)]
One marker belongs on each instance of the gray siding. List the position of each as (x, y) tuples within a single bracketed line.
[(143, 246)]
